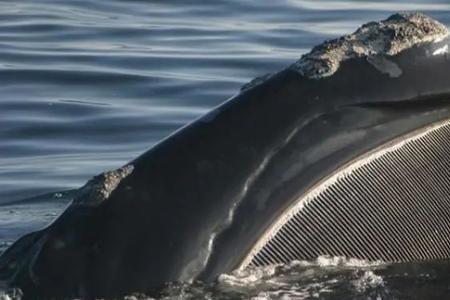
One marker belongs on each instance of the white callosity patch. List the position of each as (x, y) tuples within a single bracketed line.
[(101, 186), (386, 38)]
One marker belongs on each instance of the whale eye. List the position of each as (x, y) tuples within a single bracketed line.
[(391, 204)]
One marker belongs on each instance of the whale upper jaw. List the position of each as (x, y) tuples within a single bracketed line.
[(375, 41)]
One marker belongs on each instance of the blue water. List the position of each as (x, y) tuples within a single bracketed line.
[(87, 85)]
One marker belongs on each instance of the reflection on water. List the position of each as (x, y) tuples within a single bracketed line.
[(87, 85)]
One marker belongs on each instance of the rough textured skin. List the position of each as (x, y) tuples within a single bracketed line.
[(101, 186), (389, 37)]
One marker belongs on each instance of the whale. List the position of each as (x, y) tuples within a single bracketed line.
[(345, 152)]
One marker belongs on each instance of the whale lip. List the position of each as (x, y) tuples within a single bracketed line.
[(389, 37)]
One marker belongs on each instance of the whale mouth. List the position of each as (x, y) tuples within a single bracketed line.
[(391, 204)]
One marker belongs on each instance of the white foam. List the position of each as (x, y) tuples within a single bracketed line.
[(369, 280)]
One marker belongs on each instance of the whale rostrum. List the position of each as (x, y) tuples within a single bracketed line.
[(386, 38)]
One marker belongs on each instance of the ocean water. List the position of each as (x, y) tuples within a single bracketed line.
[(88, 85)]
